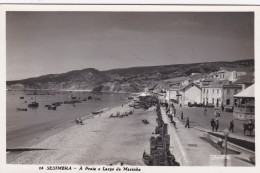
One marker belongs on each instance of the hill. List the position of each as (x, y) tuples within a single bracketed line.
[(133, 79)]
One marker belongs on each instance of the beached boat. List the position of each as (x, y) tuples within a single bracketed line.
[(97, 112), (89, 97), (147, 159)]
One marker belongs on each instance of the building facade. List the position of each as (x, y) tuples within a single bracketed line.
[(230, 74), (171, 93), (228, 94), (212, 94), (190, 93)]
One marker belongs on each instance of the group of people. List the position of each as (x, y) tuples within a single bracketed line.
[(79, 121), (216, 112), (214, 124)]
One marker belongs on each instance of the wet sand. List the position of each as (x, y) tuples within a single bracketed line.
[(100, 141)]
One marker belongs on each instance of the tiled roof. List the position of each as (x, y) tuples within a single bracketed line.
[(186, 86), (245, 79)]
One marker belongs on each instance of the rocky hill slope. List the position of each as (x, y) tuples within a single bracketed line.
[(133, 79)]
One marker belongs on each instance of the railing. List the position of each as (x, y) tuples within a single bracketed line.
[(245, 110)]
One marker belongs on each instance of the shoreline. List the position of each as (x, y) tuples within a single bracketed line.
[(95, 133), (73, 91)]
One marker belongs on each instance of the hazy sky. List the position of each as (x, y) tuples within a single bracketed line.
[(41, 43)]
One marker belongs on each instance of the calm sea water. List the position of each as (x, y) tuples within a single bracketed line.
[(26, 127)]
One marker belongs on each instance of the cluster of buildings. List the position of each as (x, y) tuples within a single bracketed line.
[(219, 89)]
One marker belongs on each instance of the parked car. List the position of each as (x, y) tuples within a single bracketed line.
[(229, 108), (209, 105)]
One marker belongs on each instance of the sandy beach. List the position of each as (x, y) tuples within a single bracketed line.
[(100, 141)]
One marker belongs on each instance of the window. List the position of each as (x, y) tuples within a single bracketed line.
[(213, 91), (235, 91), (217, 91), (204, 90), (207, 91), (228, 91), (227, 101)]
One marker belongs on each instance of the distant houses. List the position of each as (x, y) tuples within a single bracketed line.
[(217, 88), (231, 74)]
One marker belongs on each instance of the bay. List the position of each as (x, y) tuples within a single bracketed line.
[(25, 128)]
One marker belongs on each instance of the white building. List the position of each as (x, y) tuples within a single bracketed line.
[(190, 93), (212, 94), (171, 93), (231, 74)]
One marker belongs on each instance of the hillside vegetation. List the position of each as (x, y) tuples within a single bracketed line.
[(133, 79)]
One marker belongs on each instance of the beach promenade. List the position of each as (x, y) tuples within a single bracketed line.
[(100, 141), (190, 147)]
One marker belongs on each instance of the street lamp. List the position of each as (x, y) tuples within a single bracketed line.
[(226, 133)]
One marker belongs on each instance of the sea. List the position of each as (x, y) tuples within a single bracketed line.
[(26, 128)]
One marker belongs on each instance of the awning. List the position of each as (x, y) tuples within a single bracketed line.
[(248, 92)]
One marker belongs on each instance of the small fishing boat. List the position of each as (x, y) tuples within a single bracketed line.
[(21, 98), (33, 105), (56, 104), (147, 159), (52, 107), (89, 97)]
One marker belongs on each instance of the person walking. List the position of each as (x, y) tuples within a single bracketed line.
[(187, 123), (222, 107), (217, 125), (231, 126), (215, 113), (205, 111), (213, 124), (182, 115), (218, 113)]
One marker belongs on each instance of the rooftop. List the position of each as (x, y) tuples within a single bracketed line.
[(248, 92), (245, 79)]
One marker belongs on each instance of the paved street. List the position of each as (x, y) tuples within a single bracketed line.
[(197, 119), (190, 148)]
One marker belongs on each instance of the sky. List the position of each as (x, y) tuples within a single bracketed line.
[(40, 43)]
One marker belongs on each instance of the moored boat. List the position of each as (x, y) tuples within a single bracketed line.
[(52, 107), (21, 109), (33, 105)]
